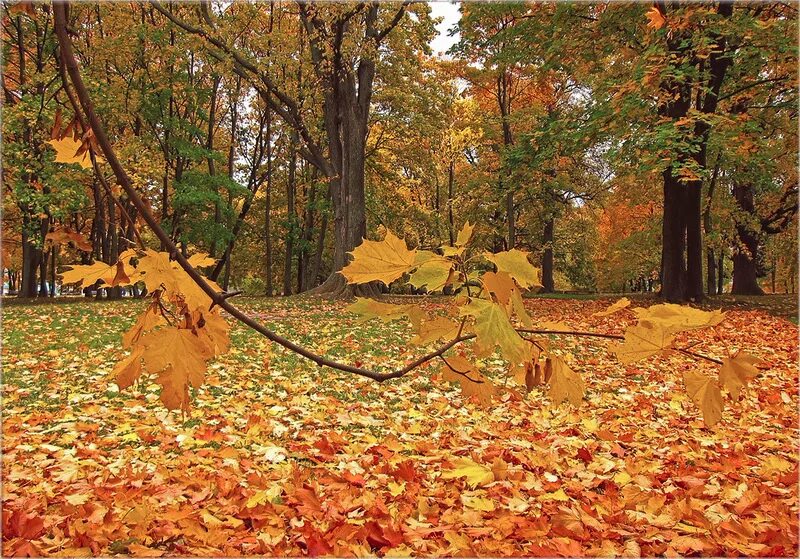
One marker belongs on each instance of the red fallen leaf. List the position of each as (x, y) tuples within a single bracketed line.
[(405, 471), (25, 549), (325, 448), (307, 501), (316, 544), (605, 435), (584, 454), (23, 525), (748, 502), (383, 536), (356, 479), (209, 434), (617, 450)]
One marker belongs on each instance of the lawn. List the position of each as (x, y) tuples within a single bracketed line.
[(280, 457)]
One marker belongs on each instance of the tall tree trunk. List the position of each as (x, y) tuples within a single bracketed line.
[(268, 211), (30, 263), (745, 254), (673, 229), (548, 284), (708, 227), (504, 101), (291, 184), (212, 116), (451, 179)]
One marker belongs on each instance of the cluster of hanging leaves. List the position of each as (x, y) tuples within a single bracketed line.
[(179, 331), (70, 145), (488, 307)]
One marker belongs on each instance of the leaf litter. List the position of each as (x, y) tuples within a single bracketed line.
[(279, 457)]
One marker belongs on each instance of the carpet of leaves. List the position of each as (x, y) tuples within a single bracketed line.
[(280, 457)]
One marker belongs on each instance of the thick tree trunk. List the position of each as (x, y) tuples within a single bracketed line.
[(694, 242), (673, 229), (745, 255), (30, 263), (548, 283)]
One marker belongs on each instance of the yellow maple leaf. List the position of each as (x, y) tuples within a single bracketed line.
[(433, 273), (465, 234), (148, 320), (617, 306), (565, 384), (558, 495), (493, 328), (435, 329), (201, 260), (500, 285), (472, 382), (179, 356), (213, 330), (88, 274), (737, 371), (67, 150), (478, 503), (515, 263), (705, 393), (129, 369), (475, 474), (384, 261), (641, 341)]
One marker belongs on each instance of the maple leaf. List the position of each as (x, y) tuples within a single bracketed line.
[(654, 18), (129, 369), (432, 330), (493, 328), (478, 503), (201, 260), (475, 474), (472, 382), (618, 306), (68, 150), (465, 234), (156, 271), (434, 271), (500, 285), (148, 320), (213, 330), (679, 318), (737, 371), (641, 341), (519, 308), (705, 393), (384, 261), (515, 263), (64, 236), (565, 384), (180, 358), (112, 275)]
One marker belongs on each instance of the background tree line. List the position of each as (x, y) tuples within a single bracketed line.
[(629, 146)]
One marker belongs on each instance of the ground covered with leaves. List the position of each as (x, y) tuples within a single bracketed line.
[(280, 457)]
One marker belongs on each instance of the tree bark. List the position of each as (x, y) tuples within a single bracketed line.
[(548, 284), (745, 255), (290, 217)]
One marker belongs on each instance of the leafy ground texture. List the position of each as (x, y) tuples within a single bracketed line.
[(280, 457)]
